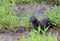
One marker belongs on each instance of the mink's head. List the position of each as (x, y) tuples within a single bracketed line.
[(32, 19)]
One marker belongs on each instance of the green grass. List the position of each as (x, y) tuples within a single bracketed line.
[(7, 20), (14, 2), (36, 36), (54, 2), (26, 1), (54, 15)]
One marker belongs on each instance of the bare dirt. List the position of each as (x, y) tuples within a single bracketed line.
[(13, 36)]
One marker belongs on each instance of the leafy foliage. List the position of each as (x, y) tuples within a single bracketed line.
[(14, 2), (26, 1), (54, 15), (34, 36), (54, 2), (7, 20)]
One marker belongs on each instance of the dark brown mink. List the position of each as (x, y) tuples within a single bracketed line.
[(43, 23)]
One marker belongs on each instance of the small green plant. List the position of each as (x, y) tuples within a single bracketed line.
[(54, 15), (23, 38), (26, 1), (38, 37), (53, 2), (7, 20), (14, 2)]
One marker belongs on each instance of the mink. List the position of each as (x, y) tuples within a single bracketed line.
[(43, 23)]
